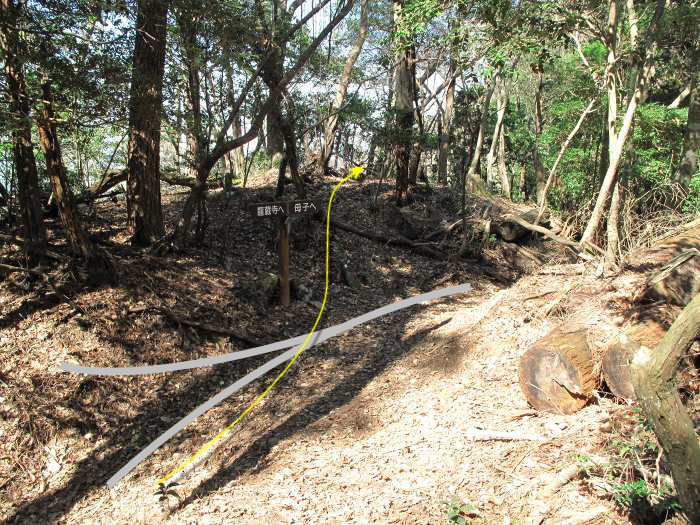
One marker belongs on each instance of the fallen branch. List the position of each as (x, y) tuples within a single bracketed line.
[(585, 517), (540, 229), (44, 276), (421, 249), (208, 328), (562, 478), (108, 181), (493, 435), (443, 231)]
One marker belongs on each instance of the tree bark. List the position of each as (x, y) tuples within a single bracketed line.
[(342, 89), (539, 168), (691, 139), (491, 159), (446, 126), (653, 373), (25, 162), (502, 169), (644, 73), (473, 182), (77, 238), (145, 216), (403, 112)]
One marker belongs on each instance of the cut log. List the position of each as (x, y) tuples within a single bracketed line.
[(556, 372), (618, 356)]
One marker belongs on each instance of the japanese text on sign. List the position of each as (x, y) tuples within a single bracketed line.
[(284, 208)]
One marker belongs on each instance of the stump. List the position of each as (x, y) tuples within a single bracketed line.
[(617, 358), (556, 372)]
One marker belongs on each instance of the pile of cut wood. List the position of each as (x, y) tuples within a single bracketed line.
[(558, 372)]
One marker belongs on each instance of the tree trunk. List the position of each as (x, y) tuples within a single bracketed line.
[(653, 374), (491, 161), (502, 169), (342, 89), (691, 139), (522, 184), (539, 168), (562, 150), (272, 74), (473, 182), (403, 111), (25, 163), (145, 216), (446, 126), (643, 76), (612, 252), (78, 240)]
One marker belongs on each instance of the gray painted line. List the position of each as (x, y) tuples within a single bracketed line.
[(272, 363), (324, 334)]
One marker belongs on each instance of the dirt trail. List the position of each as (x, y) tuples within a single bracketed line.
[(402, 445), (377, 425)]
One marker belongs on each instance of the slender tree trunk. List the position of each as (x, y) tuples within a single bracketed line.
[(145, 216), (342, 89), (562, 150), (417, 147), (618, 139), (446, 126), (77, 238), (613, 226), (25, 163), (291, 153), (657, 393), (691, 139), (502, 169), (522, 184), (539, 168), (491, 158), (473, 181), (680, 98)]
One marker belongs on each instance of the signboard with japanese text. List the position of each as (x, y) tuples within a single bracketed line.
[(302, 207), (283, 209)]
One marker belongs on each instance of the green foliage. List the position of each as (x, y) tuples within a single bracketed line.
[(627, 494), (165, 490), (692, 201), (458, 512), (415, 16)]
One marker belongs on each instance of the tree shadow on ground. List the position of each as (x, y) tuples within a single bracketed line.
[(255, 454), (123, 436), (98, 404)]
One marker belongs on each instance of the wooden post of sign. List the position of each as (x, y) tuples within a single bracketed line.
[(283, 249)]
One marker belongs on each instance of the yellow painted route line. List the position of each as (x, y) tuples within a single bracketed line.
[(354, 172)]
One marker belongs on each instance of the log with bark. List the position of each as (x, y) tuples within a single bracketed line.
[(653, 375), (556, 372), (617, 358)]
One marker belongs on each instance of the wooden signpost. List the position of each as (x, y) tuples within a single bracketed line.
[(282, 210)]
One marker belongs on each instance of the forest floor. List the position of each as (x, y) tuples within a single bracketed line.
[(378, 425)]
